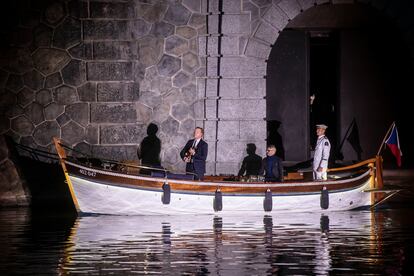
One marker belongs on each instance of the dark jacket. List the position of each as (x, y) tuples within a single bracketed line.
[(198, 164), (277, 169)]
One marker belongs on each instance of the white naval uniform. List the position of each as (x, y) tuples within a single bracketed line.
[(321, 157)]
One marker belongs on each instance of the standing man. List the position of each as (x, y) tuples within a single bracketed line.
[(272, 167), (194, 154), (321, 156)]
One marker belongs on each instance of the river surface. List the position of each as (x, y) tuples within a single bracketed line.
[(332, 243)]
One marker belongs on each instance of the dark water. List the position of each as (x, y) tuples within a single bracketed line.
[(343, 243)]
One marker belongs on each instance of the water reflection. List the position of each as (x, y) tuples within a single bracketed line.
[(359, 243)]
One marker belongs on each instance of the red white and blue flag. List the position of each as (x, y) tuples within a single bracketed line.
[(394, 144)]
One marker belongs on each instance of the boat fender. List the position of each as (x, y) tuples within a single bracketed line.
[(324, 198), (166, 193), (268, 201), (218, 201)]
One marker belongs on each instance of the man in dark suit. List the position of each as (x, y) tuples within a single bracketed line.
[(194, 154), (272, 167)]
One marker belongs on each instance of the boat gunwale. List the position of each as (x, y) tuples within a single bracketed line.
[(219, 183)]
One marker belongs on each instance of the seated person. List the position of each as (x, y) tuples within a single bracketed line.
[(251, 163), (272, 167)]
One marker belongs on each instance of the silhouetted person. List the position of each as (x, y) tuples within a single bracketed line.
[(251, 163), (274, 138), (150, 148)]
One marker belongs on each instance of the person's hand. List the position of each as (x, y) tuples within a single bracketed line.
[(320, 169), (192, 151)]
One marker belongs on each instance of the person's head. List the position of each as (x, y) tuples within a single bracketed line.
[(152, 129), (198, 133), (271, 150), (320, 129), (251, 148)]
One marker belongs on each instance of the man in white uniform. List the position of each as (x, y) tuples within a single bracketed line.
[(321, 156)]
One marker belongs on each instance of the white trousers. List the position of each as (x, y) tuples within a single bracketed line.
[(320, 175)]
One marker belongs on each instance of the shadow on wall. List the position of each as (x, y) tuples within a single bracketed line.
[(150, 148), (274, 137)]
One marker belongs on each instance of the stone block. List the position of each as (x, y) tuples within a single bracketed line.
[(87, 92), (73, 133), (253, 130), (192, 5), (242, 109), (65, 95), (257, 49), (22, 125), (150, 49), (34, 112), (291, 8), (118, 153), (67, 34), (53, 80), (162, 29), (210, 134), (177, 14), (108, 71), (186, 32), (181, 79), (82, 51), (115, 50), (236, 24), (53, 110), (231, 151), (253, 9), (228, 130), (118, 92), (62, 119), (168, 65), (121, 10), (78, 9), (144, 113), (228, 168), (13, 111), (25, 96), (114, 29), (78, 112), (179, 111), (267, 32), (198, 21), (242, 67), (229, 88), (189, 93), (92, 134), (187, 126), (161, 112), (170, 126), (3, 77), (74, 73), (232, 6), (176, 45), (150, 99), (190, 62), (252, 88), (276, 17), (151, 13), (122, 134), (48, 61), (33, 79), (262, 3), (211, 109), (113, 113), (18, 60), (44, 133), (230, 45)]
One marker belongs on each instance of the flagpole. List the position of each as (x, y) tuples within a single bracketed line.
[(385, 137)]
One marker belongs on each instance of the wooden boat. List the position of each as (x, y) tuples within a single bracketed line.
[(119, 192)]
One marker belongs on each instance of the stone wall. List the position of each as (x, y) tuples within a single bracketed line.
[(96, 73)]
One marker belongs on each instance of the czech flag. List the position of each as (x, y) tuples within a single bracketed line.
[(394, 144)]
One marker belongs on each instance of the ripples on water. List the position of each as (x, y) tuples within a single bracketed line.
[(354, 242)]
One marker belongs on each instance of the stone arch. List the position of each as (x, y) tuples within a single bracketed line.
[(278, 15)]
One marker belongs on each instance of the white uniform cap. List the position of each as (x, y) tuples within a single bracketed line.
[(322, 126)]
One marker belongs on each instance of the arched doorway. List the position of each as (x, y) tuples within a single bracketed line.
[(353, 59)]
